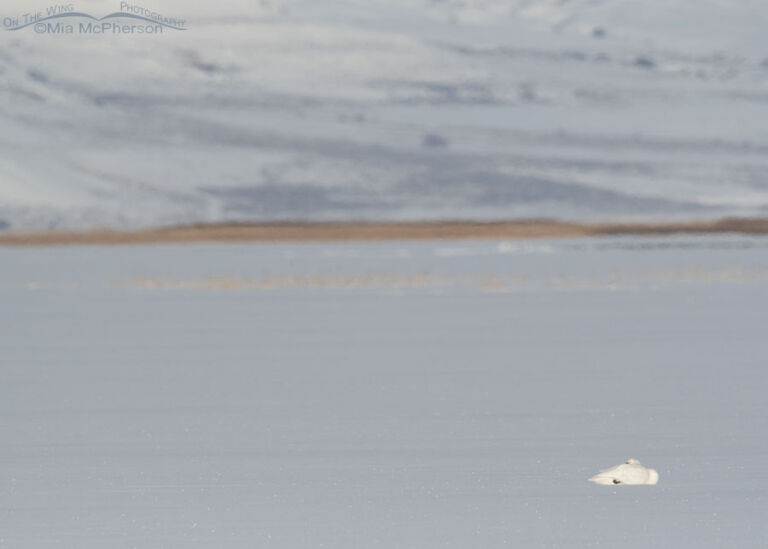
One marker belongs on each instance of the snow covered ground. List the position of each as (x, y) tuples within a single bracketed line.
[(372, 109), (393, 395)]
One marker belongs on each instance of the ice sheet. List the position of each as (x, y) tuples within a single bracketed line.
[(421, 394)]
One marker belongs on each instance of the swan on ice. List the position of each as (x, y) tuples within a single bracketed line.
[(630, 472)]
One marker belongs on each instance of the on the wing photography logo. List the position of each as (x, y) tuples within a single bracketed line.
[(65, 19)]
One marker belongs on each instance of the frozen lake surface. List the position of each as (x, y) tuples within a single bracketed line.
[(384, 395)]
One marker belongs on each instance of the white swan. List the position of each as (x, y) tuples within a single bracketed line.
[(631, 472)]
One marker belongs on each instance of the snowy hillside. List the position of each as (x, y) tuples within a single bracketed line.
[(388, 110)]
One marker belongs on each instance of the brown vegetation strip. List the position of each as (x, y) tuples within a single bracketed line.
[(298, 232)]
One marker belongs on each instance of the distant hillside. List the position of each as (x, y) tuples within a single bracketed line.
[(389, 111)]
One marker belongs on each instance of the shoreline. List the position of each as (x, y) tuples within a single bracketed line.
[(377, 231)]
